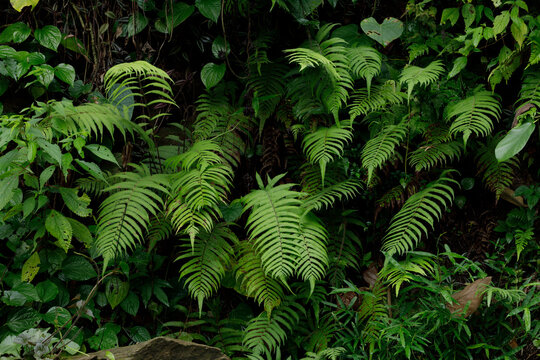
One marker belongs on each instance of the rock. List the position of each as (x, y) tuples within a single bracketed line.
[(162, 348)]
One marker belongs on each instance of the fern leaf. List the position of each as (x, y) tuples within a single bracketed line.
[(498, 175), (313, 259), (273, 225), (418, 214), (429, 155), (124, 215), (324, 144), (264, 289), (265, 334), (372, 312), (206, 261), (381, 96), (396, 273), (414, 75), (530, 88), (474, 115), (380, 148), (200, 153), (326, 197), (522, 238), (365, 63)]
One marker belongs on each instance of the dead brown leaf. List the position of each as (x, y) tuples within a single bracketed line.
[(371, 275), (472, 294)]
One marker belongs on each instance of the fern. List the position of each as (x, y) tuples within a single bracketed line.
[(124, 215), (329, 354), (324, 144), (273, 225), (312, 259), (433, 153), (474, 115), (414, 75), (381, 96), (372, 311), (496, 175), (530, 88), (522, 238), (381, 147), (365, 63), (265, 334), (395, 273), (264, 289), (418, 214), (206, 261), (325, 198)]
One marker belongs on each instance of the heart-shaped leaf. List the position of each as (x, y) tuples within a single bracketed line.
[(384, 33), (211, 74)]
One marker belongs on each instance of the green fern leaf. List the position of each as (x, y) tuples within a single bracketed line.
[(313, 259), (418, 214), (380, 148), (365, 63), (434, 153), (396, 273), (414, 75), (265, 334), (522, 238), (124, 215), (530, 88), (264, 289), (274, 224), (381, 96), (326, 197), (498, 175), (206, 261), (324, 144), (474, 115)]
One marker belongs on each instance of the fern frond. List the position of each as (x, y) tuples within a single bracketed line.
[(264, 289), (415, 75), (365, 63), (522, 238), (95, 186), (326, 354), (431, 154), (312, 179), (372, 311), (124, 215), (203, 152), (211, 108), (498, 175), (474, 115), (418, 214), (197, 194), (395, 273), (380, 148), (324, 144), (530, 88), (124, 80), (265, 334), (313, 259), (381, 96), (274, 224), (206, 261), (326, 197), (160, 229)]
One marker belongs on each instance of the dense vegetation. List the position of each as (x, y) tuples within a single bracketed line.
[(282, 179)]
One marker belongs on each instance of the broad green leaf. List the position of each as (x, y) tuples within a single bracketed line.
[(139, 334), (23, 319), (384, 33), (4, 85), (136, 24), (16, 33), (28, 206), (13, 68), (7, 52), (8, 186), (49, 36), (211, 74), (20, 4), (469, 14), (514, 141), (451, 14), (501, 22), (45, 176), (30, 267), (44, 74), (105, 337), (81, 232), (92, 168), (146, 5), (173, 16), (53, 150), (70, 42), (58, 226), (102, 152), (519, 30), (209, 8), (220, 48), (47, 290), (65, 72), (527, 319), (13, 298), (130, 304), (58, 316), (116, 291), (79, 205), (459, 64), (78, 268)]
